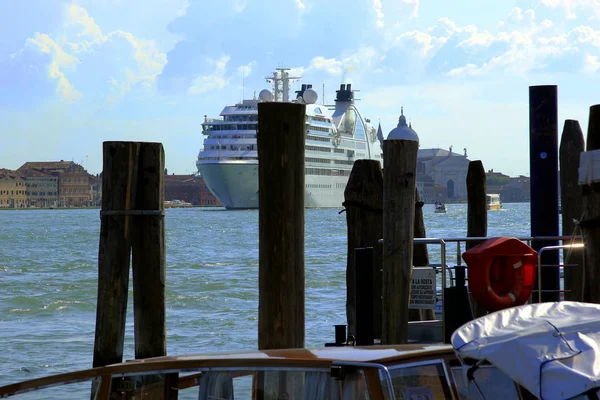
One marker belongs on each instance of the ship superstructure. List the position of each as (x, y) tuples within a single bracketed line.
[(336, 136)]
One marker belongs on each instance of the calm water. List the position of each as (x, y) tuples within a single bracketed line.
[(48, 281)]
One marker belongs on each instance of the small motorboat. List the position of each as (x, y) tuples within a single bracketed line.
[(440, 207)]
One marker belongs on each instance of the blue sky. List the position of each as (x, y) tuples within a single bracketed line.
[(76, 73)]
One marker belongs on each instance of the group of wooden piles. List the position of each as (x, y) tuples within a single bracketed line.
[(377, 205)]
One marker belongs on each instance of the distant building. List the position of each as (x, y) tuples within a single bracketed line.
[(447, 170), (441, 174), (189, 188), (13, 192), (73, 181), (42, 188)]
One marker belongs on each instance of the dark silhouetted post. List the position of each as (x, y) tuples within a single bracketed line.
[(148, 254), (364, 217), (420, 256), (476, 216), (571, 146), (377, 289), (543, 161), (364, 296), (280, 141), (118, 192), (399, 183), (591, 208)]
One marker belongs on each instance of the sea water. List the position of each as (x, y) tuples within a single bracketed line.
[(48, 280)]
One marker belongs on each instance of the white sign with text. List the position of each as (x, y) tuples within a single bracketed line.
[(422, 288)]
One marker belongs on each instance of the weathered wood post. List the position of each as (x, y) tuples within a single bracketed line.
[(148, 254), (591, 208), (476, 215), (543, 162), (378, 287), (280, 142), (399, 183), (363, 200), (364, 296), (420, 256), (118, 191), (571, 146)]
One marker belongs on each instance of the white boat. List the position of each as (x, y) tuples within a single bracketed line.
[(549, 349), (493, 201), (336, 136)]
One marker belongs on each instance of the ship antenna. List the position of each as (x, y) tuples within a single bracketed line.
[(243, 73)]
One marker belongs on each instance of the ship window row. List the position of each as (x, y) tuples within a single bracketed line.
[(344, 162), (319, 128), (317, 148), (318, 138), (230, 127), (237, 136), (327, 172), (318, 186), (241, 118), (320, 119), (339, 151), (319, 160), (233, 147)]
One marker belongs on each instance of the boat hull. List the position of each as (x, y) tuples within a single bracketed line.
[(235, 185)]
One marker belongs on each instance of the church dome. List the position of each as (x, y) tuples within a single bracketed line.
[(403, 131)]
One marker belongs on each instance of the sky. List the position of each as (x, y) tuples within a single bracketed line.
[(74, 74)]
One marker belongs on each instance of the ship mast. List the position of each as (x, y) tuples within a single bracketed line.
[(281, 83)]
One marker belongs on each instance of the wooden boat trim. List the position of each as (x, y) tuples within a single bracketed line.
[(304, 359)]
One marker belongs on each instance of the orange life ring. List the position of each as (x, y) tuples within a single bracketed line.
[(501, 272)]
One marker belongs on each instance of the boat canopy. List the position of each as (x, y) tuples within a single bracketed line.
[(550, 349)]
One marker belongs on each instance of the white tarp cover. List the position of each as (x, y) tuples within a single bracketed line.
[(551, 349)]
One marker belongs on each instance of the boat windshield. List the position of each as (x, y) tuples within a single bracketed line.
[(489, 383), (216, 383)]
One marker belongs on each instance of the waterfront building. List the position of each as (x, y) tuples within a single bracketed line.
[(42, 188), (189, 188), (96, 190), (73, 181), (441, 174), (13, 192), (448, 170)]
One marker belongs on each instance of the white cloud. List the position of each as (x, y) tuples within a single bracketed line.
[(216, 80), (592, 64), (60, 58), (377, 6), (359, 61), (569, 6), (329, 65), (87, 39), (77, 15), (415, 4), (246, 70)]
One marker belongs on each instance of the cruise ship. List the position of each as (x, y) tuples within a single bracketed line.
[(336, 136)]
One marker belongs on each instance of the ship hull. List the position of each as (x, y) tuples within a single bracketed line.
[(235, 185)]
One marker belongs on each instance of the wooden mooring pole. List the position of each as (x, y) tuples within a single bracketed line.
[(118, 194), (477, 217), (420, 257), (363, 200), (131, 218), (149, 254), (399, 183), (543, 161), (591, 225), (571, 146), (280, 141)]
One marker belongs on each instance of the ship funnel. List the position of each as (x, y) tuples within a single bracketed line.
[(345, 93)]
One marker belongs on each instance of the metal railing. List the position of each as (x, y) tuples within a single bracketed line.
[(443, 242)]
